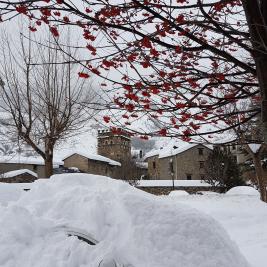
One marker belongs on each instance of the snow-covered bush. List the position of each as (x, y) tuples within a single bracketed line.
[(243, 190)]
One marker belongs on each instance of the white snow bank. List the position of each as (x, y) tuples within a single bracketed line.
[(169, 183), (243, 190), (210, 193), (177, 193), (244, 218), (18, 172), (131, 226), (9, 193)]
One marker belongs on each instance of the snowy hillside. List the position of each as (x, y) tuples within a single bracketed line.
[(133, 228)]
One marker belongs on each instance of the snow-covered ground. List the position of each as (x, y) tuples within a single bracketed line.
[(243, 216), (132, 227)]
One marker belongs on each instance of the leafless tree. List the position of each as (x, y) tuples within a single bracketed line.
[(42, 99)]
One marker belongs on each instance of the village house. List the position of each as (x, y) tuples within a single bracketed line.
[(113, 150), (91, 163), (18, 162), (113, 158), (18, 176), (179, 163)]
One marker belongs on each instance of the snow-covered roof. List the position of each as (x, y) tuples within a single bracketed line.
[(152, 153), (169, 183), (93, 157), (254, 147), (17, 159), (18, 172), (167, 152)]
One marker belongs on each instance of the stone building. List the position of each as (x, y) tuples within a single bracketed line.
[(94, 164), (113, 157), (179, 163), (18, 176), (34, 164), (116, 146)]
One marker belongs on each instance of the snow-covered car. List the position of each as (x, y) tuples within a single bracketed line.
[(131, 227)]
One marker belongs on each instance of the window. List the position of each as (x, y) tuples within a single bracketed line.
[(154, 165), (200, 151), (201, 164), (233, 147), (171, 167), (235, 158), (189, 177)]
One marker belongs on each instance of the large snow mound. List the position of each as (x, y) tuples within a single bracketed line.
[(9, 193), (132, 227), (243, 190)]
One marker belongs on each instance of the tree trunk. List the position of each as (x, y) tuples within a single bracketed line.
[(261, 177), (48, 165), (256, 15)]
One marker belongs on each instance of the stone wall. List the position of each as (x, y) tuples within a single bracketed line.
[(188, 163), (114, 146), (157, 190), (22, 178), (77, 161), (39, 169), (91, 166), (154, 168)]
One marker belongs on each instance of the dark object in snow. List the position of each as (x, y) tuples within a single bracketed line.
[(87, 238), (79, 233)]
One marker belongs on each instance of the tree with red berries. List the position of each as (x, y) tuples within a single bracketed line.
[(187, 67)]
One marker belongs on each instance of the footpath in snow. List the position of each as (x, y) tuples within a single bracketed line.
[(133, 227)]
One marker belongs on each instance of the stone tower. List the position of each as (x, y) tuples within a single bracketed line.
[(116, 146)]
